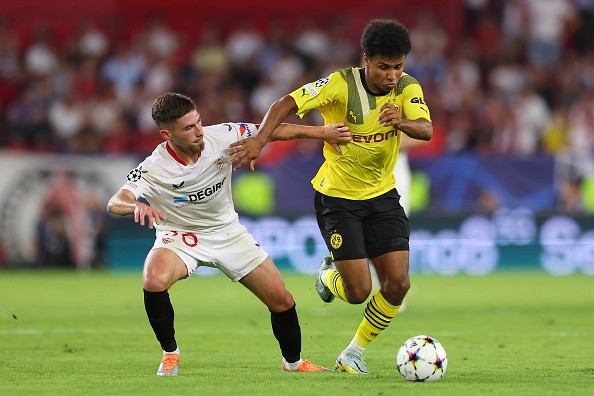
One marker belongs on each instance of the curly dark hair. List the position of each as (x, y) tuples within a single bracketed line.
[(385, 37), (169, 107)]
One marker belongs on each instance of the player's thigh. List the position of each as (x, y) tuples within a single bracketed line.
[(162, 268), (386, 228), (237, 253), (266, 282), (341, 225)]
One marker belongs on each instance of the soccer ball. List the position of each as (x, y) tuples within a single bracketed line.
[(422, 358)]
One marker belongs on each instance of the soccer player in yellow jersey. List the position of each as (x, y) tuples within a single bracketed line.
[(356, 203)]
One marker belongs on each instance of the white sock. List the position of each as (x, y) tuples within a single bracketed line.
[(354, 349), (292, 366), (176, 351)]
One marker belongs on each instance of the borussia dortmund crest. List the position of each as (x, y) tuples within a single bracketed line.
[(336, 240)]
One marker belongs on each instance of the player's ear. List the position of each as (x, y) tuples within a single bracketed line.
[(165, 134), (365, 60)]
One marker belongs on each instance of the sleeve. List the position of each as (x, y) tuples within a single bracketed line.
[(413, 103), (246, 130), (138, 182), (231, 132), (316, 94)]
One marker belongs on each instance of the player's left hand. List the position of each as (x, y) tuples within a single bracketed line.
[(390, 116), (245, 151)]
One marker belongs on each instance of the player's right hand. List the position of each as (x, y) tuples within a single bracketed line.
[(143, 211), (337, 134)]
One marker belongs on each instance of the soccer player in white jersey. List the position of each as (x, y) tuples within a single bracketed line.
[(356, 203), (187, 182)]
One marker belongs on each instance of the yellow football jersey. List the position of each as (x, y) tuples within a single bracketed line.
[(365, 168)]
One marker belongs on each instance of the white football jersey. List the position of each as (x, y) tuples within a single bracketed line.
[(194, 197)]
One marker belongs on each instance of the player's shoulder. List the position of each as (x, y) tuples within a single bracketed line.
[(158, 159), (347, 72), (328, 86), (156, 156), (151, 167), (405, 81), (235, 129), (218, 128), (241, 127), (338, 77)]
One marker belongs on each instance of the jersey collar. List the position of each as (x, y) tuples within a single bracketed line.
[(362, 75), (175, 156)]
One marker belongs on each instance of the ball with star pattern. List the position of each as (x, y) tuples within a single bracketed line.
[(422, 358)]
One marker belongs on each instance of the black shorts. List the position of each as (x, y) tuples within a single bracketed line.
[(355, 229)]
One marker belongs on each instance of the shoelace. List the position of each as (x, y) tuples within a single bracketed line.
[(169, 361), (309, 366)]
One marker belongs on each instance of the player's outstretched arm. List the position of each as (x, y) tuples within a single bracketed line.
[(333, 134), (124, 203), (277, 112)]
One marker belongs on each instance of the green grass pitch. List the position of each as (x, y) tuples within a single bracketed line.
[(67, 333)]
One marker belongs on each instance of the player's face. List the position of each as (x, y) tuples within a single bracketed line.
[(187, 133), (382, 73)]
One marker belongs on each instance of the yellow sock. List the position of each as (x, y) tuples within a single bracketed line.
[(334, 282), (377, 316)]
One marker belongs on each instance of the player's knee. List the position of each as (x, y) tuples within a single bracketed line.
[(155, 283), (282, 302), (404, 285), (396, 290), (358, 295), (288, 303)]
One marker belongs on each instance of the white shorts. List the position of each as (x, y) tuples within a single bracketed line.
[(234, 251)]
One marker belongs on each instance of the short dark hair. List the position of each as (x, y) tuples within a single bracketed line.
[(385, 37), (169, 107)]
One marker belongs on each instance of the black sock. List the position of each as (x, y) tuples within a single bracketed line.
[(160, 315), (285, 327)]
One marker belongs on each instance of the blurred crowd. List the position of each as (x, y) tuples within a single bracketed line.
[(516, 79)]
